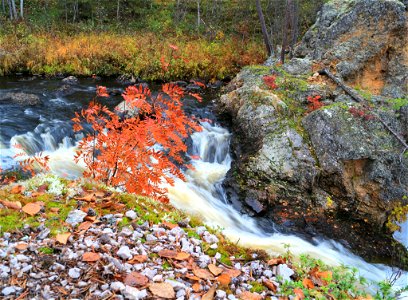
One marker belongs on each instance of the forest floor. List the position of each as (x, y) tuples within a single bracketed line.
[(82, 240)]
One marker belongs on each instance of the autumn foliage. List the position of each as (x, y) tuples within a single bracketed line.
[(314, 103), (140, 153), (270, 81)]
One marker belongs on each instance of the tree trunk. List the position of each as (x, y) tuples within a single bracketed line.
[(117, 10), (198, 15), (22, 9), (295, 26), (285, 30), (265, 34), (3, 6)]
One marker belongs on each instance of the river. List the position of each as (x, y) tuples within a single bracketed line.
[(46, 127)]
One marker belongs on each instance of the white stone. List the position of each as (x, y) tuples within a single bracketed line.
[(131, 214), (117, 286), (176, 285), (8, 290), (74, 273), (221, 294), (124, 252), (285, 272), (75, 217), (132, 293)]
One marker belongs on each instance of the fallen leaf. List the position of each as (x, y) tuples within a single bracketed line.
[(118, 206), (87, 197), (32, 208), (163, 290), (11, 204), (138, 259), (167, 253), (61, 290), (250, 296), (169, 225), (214, 269), (299, 293), (270, 285), (17, 189), (307, 283), (276, 261), (90, 218), (182, 256), (21, 246), (54, 210), (196, 287), (62, 238), (135, 279), (192, 277), (321, 278), (91, 257), (203, 274), (210, 294), (42, 188), (84, 226), (99, 194), (232, 272), (224, 279)]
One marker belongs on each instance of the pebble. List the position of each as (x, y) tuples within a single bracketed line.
[(221, 294), (124, 253), (131, 214), (8, 290), (285, 272), (75, 217), (117, 286), (74, 273)]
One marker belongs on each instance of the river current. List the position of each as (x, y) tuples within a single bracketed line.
[(46, 127)]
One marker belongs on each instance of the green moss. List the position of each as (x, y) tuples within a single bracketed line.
[(258, 69), (46, 250), (125, 222), (9, 220), (257, 287), (166, 265)]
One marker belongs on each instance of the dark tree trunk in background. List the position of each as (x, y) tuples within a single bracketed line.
[(286, 25), (265, 34), (22, 9), (117, 10), (294, 26)]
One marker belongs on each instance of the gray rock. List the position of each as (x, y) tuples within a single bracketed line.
[(131, 214), (124, 253), (10, 290), (285, 272), (117, 286), (70, 80), (132, 293), (20, 99), (74, 273), (75, 217), (352, 35), (221, 294)]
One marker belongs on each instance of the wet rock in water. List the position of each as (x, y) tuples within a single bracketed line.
[(127, 79), (19, 98), (65, 90), (75, 217), (194, 88), (70, 80)]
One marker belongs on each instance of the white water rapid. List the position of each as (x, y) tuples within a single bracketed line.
[(203, 195)]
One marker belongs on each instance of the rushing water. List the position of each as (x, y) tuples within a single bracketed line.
[(46, 128)]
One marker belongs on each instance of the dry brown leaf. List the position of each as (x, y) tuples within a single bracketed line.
[(276, 261), (118, 206), (192, 277), (61, 290), (21, 246), (250, 296), (54, 210), (84, 226), (196, 287), (91, 257), (307, 283), (17, 189), (182, 256), (215, 270), (32, 208), (135, 279), (63, 237), (232, 272), (163, 290), (11, 204), (321, 278), (99, 194), (224, 279), (203, 274), (169, 225), (90, 218), (167, 253), (299, 293), (138, 259), (87, 197), (270, 285), (210, 294)]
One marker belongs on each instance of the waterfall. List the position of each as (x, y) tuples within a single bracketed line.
[(202, 195)]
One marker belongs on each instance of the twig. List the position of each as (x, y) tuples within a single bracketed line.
[(356, 97)]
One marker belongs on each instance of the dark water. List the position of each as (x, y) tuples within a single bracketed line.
[(47, 126)]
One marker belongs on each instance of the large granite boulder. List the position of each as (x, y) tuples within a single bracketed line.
[(363, 41), (20, 98)]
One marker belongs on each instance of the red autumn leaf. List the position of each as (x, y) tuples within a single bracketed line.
[(91, 257), (101, 91)]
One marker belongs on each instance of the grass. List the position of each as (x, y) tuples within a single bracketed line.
[(139, 54)]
